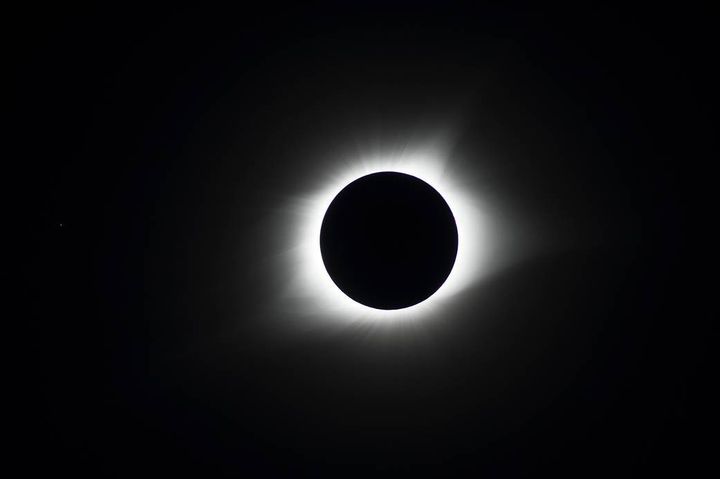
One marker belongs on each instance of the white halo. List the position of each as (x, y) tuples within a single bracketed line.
[(310, 291)]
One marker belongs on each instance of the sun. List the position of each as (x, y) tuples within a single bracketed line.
[(310, 291)]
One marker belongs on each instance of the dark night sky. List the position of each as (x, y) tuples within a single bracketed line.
[(163, 140)]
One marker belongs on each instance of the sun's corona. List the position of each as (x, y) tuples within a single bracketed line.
[(311, 290)]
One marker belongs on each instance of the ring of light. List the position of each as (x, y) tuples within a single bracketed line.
[(311, 286)]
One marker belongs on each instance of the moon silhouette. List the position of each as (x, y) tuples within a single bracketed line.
[(389, 240)]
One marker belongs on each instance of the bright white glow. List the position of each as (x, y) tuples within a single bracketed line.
[(310, 292)]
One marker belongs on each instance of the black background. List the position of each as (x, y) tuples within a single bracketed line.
[(161, 140)]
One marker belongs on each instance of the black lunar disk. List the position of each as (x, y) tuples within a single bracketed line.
[(389, 240)]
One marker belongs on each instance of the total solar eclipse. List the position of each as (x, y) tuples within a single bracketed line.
[(388, 240)]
